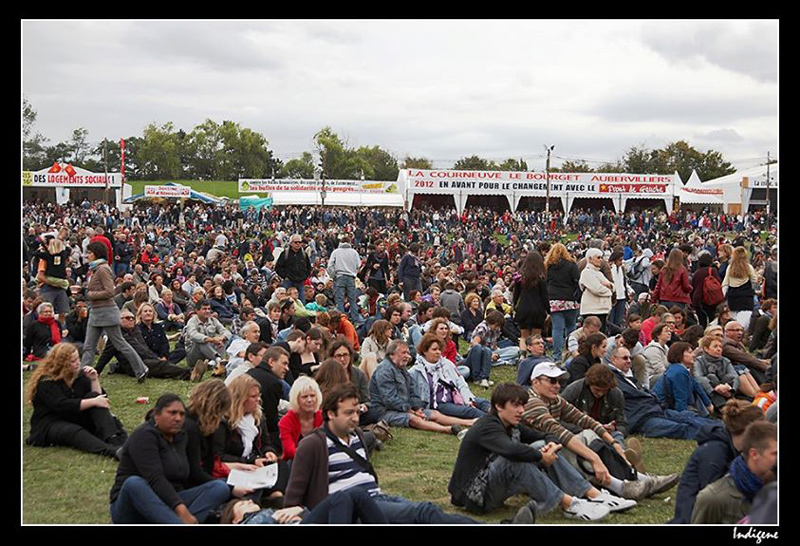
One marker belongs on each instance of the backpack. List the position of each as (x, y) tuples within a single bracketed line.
[(712, 290), (636, 270)]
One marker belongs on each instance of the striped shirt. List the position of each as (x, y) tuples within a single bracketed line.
[(344, 472), (545, 417)]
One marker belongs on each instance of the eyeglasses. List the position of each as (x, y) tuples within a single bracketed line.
[(342, 355), (551, 380), (624, 357), (126, 318)]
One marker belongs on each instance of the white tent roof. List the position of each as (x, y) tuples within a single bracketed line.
[(758, 173), (694, 192), (339, 199)]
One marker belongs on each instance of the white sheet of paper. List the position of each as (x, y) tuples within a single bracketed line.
[(263, 478)]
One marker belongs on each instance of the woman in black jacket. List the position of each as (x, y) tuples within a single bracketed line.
[(472, 315), (705, 313), (590, 352), (155, 336), (530, 300), (70, 408), (377, 268), (41, 334), (159, 478), (563, 293)]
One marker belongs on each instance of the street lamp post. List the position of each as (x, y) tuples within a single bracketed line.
[(547, 174)]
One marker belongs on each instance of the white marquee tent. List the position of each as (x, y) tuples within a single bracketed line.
[(737, 188), (695, 193)]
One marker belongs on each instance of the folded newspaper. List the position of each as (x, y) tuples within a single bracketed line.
[(263, 478)]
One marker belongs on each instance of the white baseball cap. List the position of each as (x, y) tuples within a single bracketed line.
[(549, 369)]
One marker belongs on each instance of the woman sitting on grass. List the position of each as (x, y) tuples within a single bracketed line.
[(69, 406), (246, 440), (160, 478), (440, 387), (42, 333), (304, 414)]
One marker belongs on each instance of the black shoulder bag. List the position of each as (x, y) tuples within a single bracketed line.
[(361, 461)]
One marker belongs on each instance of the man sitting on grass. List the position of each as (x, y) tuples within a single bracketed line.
[(499, 457), (333, 458), (546, 411), (728, 499)]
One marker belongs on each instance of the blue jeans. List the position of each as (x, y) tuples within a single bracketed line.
[(300, 289), (400, 510), (138, 503), (508, 478), (676, 424), (565, 476), (344, 507), (120, 269), (507, 355), (466, 412), (617, 313), (464, 371), (479, 362), (345, 287), (563, 326)]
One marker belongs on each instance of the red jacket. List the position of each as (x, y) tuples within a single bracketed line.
[(347, 330), (677, 290), (291, 430)]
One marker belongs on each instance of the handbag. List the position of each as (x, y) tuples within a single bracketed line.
[(382, 430)]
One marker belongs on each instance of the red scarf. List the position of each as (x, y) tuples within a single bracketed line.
[(55, 332)]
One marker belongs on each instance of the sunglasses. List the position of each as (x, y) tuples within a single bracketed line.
[(551, 380)]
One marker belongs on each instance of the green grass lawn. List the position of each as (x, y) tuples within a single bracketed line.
[(214, 187), (62, 485)]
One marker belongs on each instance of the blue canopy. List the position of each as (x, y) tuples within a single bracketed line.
[(197, 196)]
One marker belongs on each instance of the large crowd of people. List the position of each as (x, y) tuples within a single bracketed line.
[(310, 332)]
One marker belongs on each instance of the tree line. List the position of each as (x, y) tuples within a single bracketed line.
[(228, 151)]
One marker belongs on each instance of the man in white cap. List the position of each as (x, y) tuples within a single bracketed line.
[(546, 410)]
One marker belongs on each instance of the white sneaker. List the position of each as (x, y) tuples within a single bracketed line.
[(491, 383), (585, 510), (461, 434), (615, 504), (484, 383)]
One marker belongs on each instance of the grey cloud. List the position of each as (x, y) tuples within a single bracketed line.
[(722, 135), (752, 51), (223, 47), (683, 109)]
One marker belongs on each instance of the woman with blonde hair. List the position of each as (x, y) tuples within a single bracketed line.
[(304, 415), (373, 349), (155, 336), (247, 441), (738, 286), (673, 286), (562, 276), (69, 406)]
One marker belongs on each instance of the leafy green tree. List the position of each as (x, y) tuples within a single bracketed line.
[(159, 153), (517, 165), (475, 163), (570, 166), (336, 159), (202, 146), (380, 164), (79, 145), (417, 163), (33, 143), (302, 167)]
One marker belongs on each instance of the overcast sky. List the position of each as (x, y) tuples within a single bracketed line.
[(436, 89)]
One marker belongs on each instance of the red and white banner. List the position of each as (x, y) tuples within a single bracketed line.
[(534, 183), (68, 175), (633, 188), (167, 191)]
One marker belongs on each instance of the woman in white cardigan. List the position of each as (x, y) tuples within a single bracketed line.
[(373, 349), (596, 297)]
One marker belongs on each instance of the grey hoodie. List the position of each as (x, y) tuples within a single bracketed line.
[(344, 261)]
